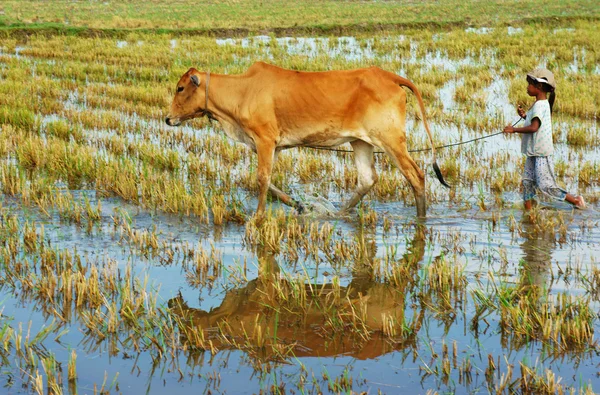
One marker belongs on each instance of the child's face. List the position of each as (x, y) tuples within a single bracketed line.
[(532, 88)]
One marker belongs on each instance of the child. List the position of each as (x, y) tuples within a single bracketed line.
[(536, 141)]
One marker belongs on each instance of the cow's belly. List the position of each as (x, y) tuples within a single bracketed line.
[(317, 139)]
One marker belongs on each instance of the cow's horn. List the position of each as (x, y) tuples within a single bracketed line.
[(195, 80)]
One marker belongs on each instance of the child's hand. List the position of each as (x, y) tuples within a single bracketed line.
[(509, 129), (520, 111)]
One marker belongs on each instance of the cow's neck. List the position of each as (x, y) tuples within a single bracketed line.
[(225, 93), (225, 97)]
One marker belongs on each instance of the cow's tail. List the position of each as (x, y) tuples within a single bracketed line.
[(407, 83)]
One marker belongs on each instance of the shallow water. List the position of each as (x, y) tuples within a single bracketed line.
[(484, 243), (467, 238)]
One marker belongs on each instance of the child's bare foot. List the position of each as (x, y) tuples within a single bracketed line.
[(576, 201), (580, 203)]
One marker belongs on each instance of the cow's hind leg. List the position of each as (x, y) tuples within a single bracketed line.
[(365, 165), (399, 153)]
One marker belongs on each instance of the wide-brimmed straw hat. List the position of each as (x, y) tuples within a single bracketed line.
[(544, 76)]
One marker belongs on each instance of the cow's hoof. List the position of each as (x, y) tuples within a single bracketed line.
[(346, 213), (300, 209)]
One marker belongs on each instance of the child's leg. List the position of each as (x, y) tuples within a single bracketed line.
[(528, 204), (529, 181), (547, 182)]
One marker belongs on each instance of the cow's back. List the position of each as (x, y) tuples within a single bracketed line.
[(284, 84), (320, 102)]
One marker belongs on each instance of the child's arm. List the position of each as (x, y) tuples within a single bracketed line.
[(535, 125)]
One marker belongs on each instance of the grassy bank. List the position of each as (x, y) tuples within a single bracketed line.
[(247, 16)]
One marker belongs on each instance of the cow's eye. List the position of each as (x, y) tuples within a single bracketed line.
[(180, 89)]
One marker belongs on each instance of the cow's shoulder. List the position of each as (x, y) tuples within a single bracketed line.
[(260, 66)]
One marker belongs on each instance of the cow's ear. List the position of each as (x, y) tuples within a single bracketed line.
[(195, 80)]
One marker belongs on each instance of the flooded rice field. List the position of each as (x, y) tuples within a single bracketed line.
[(132, 263)]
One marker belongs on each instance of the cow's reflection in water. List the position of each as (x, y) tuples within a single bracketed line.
[(364, 319)]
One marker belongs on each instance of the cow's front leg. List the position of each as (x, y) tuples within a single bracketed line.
[(266, 154), (282, 196), (286, 199)]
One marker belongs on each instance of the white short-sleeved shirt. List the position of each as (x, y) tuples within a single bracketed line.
[(540, 142)]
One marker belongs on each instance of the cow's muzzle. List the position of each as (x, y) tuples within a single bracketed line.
[(172, 122)]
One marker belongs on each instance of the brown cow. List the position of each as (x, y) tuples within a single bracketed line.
[(271, 109)]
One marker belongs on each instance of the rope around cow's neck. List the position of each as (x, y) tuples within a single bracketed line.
[(208, 114), (206, 94), (424, 149)]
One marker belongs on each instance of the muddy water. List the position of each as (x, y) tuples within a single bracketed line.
[(479, 241), (467, 238)]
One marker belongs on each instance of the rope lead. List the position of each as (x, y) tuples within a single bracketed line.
[(424, 149)]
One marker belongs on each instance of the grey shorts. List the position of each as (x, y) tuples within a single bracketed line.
[(539, 174)]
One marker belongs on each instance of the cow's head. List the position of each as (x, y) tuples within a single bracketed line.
[(189, 100)]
